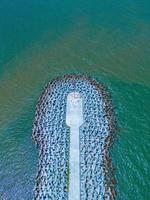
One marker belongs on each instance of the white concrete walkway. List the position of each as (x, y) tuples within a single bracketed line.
[(74, 119)]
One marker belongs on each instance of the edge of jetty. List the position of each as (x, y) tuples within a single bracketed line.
[(41, 138)]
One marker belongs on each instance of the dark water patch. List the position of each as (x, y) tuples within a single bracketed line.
[(18, 159), (130, 152)]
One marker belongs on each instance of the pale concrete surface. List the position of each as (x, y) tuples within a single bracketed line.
[(74, 119)]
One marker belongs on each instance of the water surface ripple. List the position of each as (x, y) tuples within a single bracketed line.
[(108, 40)]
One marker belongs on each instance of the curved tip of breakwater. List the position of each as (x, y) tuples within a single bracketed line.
[(52, 136)]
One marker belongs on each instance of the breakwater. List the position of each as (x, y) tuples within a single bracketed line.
[(52, 136)]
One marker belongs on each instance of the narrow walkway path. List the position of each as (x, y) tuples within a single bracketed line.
[(74, 119)]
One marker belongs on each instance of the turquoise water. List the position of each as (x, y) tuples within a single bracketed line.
[(42, 39)]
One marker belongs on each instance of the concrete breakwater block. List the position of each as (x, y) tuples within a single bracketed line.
[(74, 127)]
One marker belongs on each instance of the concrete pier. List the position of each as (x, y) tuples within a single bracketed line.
[(74, 119), (73, 128)]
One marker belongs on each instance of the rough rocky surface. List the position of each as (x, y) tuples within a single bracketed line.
[(51, 134)]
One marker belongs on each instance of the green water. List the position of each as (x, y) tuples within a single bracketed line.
[(108, 40)]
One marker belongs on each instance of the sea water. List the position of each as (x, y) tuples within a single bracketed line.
[(108, 40)]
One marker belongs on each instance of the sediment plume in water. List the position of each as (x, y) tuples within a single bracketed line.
[(52, 136)]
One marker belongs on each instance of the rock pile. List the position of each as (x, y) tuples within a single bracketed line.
[(51, 135)]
